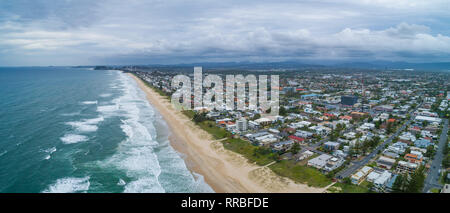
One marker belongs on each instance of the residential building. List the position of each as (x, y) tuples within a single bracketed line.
[(385, 162), (305, 154), (406, 167), (428, 119), (242, 125), (331, 146), (296, 139), (414, 158), (320, 161), (382, 181), (349, 100), (359, 176), (282, 145)]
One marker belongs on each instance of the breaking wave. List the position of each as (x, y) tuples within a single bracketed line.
[(69, 185)]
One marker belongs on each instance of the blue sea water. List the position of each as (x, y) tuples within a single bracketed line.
[(68, 129)]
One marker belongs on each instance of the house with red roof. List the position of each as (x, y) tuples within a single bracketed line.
[(345, 117), (329, 115), (296, 139)]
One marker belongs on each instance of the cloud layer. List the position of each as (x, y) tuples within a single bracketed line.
[(54, 32)]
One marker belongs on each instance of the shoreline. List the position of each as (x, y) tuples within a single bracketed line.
[(223, 170)]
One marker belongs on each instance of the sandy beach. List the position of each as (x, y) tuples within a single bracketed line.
[(223, 170)]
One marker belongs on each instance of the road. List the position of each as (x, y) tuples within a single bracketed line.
[(355, 166), (314, 147), (432, 179)]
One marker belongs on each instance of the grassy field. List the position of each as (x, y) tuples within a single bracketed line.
[(300, 173), (435, 190), (189, 113), (260, 156), (211, 128), (352, 188)]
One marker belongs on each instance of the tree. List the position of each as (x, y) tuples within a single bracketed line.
[(257, 116), (283, 111), (199, 117), (295, 148), (397, 187), (389, 128), (416, 181), (334, 135), (364, 147), (446, 161), (347, 180), (430, 151), (378, 124), (418, 135)]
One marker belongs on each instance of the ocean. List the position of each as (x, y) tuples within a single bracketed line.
[(76, 130)]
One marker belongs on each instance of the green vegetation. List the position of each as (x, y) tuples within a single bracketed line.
[(158, 90), (215, 131), (282, 111), (435, 190), (295, 148), (189, 113), (259, 155), (352, 188), (410, 183), (446, 160), (300, 173)]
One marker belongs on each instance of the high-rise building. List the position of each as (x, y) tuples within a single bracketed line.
[(349, 100), (242, 125)]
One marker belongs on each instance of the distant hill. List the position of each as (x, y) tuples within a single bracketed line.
[(442, 66), (295, 65)]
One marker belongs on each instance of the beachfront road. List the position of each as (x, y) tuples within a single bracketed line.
[(432, 179)]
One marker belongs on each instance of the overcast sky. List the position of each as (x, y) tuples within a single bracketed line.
[(87, 32)]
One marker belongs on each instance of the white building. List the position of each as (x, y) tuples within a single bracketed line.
[(382, 180), (320, 161), (359, 176), (242, 125), (305, 154), (428, 119), (373, 176), (404, 166)]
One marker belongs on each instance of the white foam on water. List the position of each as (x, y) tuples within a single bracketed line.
[(140, 155), (86, 125), (144, 185), (135, 155), (89, 102), (105, 95), (73, 138), (174, 165), (82, 127), (71, 114), (49, 152), (69, 185), (121, 182), (108, 110)]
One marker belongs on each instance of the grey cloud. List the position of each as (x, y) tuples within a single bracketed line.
[(114, 31)]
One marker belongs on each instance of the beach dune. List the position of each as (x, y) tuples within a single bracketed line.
[(223, 170)]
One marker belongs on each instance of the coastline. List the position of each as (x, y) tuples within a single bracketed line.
[(223, 170)]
